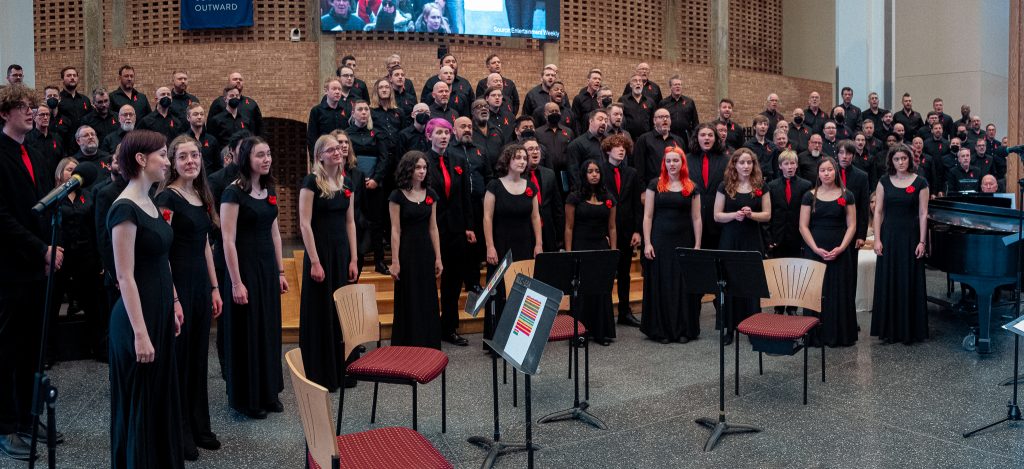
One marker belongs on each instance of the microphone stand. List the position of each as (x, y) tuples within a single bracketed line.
[(43, 390)]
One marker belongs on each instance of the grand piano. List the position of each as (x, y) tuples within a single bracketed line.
[(973, 239)]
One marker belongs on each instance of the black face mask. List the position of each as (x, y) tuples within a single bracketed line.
[(234, 102), (962, 136), (954, 149), (840, 118), (798, 120), (606, 101), (165, 102), (553, 119), (528, 133), (422, 118)]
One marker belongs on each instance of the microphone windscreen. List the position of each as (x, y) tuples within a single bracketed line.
[(89, 171)]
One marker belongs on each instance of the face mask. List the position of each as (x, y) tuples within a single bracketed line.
[(840, 118), (606, 101), (954, 149), (798, 120), (553, 119), (528, 133), (962, 135), (233, 102), (165, 102), (52, 103), (422, 118)]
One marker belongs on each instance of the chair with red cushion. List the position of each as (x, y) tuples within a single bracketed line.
[(382, 448), (791, 282), (356, 306)]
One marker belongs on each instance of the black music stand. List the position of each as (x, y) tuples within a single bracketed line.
[(578, 273), (738, 273), (1013, 413)]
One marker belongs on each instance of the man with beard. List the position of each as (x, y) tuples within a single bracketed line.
[(231, 120), (441, 108), (965, 116), (89, 150), (359, 89), (974, 132), (649, 149), (341, 17), (73, 105), (649, 88), (126, 123), (814, 116), (499, 113), (247, 107), (886, 128), (486, 136), (101, 119), (622, 182), (508, 87), (479, 173), (332, 113), (45, 140), (401, 87), (843, 129), (899, 131), (558, 98), (735, 131), (638, 109), (771, 112), (936, 145), (524, 129), (181, 99), (872, 144), (460, 91), (412, 137), (15, 74), (616, 117), (127, 94), (808, 159), (873, 112), (945, 119), (587, 99), (907, 116), (798, 132), (926, 130), (583, 148), (538, 96), (208, 144), (682, 109), (161, 120), (853, 114), (554, 138), (552, 210)]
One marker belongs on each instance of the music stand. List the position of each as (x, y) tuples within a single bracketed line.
[(740, 274), (578, 273), (1013, 413)]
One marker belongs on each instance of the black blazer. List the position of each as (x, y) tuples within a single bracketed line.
[(22, 232), (784, 227), (629, 215), (455, 210), (857, 183), (552, 209), (716, 173)]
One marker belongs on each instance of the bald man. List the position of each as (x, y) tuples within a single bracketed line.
[(650, 88), (460, 91), (161, 119), (508, 87), (247, 106)]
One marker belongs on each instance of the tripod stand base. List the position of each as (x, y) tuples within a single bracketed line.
[(576, 413), (1009, 381), (720, 428), (498, 448), (1012, 415)]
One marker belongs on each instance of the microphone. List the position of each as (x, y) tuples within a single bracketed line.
[(83, 176)]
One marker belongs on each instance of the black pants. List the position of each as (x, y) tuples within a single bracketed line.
[(622, 272), (21, 326), (81, 278), (453, 253), (475, 252)]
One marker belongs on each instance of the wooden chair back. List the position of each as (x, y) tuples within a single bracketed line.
[(315, 410), (356, 306), (518, 267), (794, 282)]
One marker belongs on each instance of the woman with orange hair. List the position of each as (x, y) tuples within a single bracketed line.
[(671, 220)]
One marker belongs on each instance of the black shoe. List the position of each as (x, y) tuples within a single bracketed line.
[(258, 414), (27, 436), (274, 406), (603, 341), (456, 339), (728, 337), (684, 339), (351, 383), (627, 319), (664, 341), (14, 447), (382, 269), (190, 451), (208, 441)]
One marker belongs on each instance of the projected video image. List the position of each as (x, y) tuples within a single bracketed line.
[(510, 18)]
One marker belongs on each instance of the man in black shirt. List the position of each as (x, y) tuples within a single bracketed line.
[(622, 182), (829, 142), (126, 119), (583, 148), (89, 150), (771, 111), (441, 107), (945, 119), (974, 132), (73, 105), (247, 106), (499, 113), (761, 146), (45, 139), (843, 129), (208, 144), (814, 116), (181, 99), (808, 160), (786, 192), (460, 92), (413, 137), (232, 119), (853, 114), (486, 136), (638, 109), (15, 74), (479, 173), (524, 129), (101, 119), (616, 117), (554, 138), (537, 96), (405, 95), (936, 144), (798, 132), (508, 87), (587, 99), (907, 116), (558, 98), (735, 131), (649, 88), (926, 130), (552, 210), (873, 112), (965, 116), (359, 88), (649, 149), (856, 181), (682, 109), (161, 120), (127, 94), (332, 113)]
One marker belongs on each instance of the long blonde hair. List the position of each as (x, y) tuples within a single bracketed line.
[(350, 160), (732, 177), (323, 180)]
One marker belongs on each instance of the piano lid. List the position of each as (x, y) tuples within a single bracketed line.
[(983, 213)]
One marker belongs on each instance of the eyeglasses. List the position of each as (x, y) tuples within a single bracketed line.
[(22, 106)]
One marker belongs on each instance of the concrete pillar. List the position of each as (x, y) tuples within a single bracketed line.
[(670, 26), (119, 13), (550, 50), (720, 47), (326, 46), (92, 12)]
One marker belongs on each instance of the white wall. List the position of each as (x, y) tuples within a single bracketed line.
[(860, 48), (17, 35)]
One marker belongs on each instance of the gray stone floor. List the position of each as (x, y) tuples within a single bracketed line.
[(882, 406)]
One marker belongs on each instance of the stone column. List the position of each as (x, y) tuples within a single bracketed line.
[(720, 47), (92, 69), (670, 26)]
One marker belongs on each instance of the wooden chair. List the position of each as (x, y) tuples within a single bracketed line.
[(380, 448), (791, 282), (356, 306)]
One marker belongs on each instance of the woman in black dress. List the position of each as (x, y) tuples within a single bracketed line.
[(145, 412), (671, 220), (357, 180), (590, 225), (186, 198), (511, 219), (741, 205), (252, 253), (899, 313), (828, 222), (368, 143), (416, 255), (327, 223)]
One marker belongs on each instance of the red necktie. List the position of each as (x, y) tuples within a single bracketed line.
[(789, 191), (447, 177), (533, 179), (618, 181), (28, 164), (842, 173), (704, 170)]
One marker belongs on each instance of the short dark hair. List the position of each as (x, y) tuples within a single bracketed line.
[(13, 67), (347, 58), (523, 118), (65, 69), (135, 142), (120, 70), (227, 89), (440, 60), (845, 89), (489, 57), (906, 95), (726, 100), (505, 158), (617, 140), (595, 112)]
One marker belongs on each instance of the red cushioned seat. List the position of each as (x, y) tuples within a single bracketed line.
[(777, 326), (562, 328), (415, 363), (387, 448)]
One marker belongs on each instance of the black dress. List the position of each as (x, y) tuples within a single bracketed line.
[(145, 412), (838, 311), (319, 332), (590, 232), (740, 236), (899, 313), (417, 313), (512, 228), (668, 312), (191, 225), (252, 332)]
